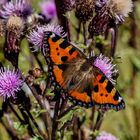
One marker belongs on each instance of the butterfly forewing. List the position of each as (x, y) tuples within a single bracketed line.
[(59, 50)]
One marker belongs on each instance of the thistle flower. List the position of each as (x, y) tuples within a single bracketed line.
[(36, 37), (109, 14), (19, 8), (2, 2), (10, 82), (48, 9), (106, 66), (106, 136), (84, 10)]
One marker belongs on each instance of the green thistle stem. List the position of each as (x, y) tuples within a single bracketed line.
[(99, 120)]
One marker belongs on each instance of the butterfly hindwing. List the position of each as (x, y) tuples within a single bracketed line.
[(105, 94)]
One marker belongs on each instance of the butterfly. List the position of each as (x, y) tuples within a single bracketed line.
[(71, 71)]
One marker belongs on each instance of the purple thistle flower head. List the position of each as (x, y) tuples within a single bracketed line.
[(48, 9), (106, 66), (2, 2), (16, 7), (106, 136), (10, 82), (36, 37)]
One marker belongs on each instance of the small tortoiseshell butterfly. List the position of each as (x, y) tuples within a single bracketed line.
[(71, 71)]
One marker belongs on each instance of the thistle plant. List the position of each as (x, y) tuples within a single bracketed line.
[(113, 13), (46, 90)]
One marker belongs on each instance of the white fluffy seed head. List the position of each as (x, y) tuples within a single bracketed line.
[(120, 7)]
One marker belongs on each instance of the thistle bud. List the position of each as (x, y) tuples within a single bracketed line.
[(84, 10), (68, 5), (30, 79), (2, 28), (99, 4), (15, 23), (36, 72), (14, 29), (99, 24), (109, 14)]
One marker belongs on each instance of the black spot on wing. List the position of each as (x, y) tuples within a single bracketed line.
[(64, 58), (64, 44), (62, 67), (116, 96), (71, 50), (101, 94), (88, 90), (102, 79), (96, 88), (109, 87), (48, 35), (55, 38), (106, 95)]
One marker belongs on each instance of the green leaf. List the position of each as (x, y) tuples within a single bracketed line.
[(82, 46), (37, 113), (50, 92), (95, 133), (19, 127), (100, 39), (68, 135)]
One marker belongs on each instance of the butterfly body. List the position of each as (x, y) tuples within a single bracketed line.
[(73, 73)]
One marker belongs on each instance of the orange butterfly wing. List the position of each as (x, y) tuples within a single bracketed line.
[(59, 49), (103, 94), (58, 52)]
